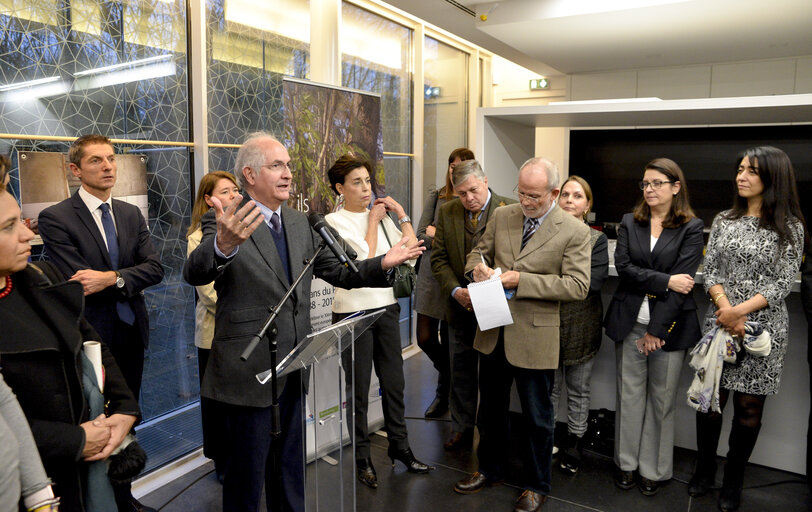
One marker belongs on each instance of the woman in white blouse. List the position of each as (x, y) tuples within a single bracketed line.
[(362, 227)]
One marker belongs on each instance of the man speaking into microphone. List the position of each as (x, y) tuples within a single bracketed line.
[(253, 251)]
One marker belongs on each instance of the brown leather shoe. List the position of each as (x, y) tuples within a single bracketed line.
[(475, 483), (530, 501), (459, 441)]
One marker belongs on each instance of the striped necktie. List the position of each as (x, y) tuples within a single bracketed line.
[(530, 227)]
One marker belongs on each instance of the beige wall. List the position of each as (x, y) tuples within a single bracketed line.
[(732, 79), (511, 86), (753, 78)]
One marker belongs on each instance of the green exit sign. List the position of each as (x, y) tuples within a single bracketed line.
[(538, 84)]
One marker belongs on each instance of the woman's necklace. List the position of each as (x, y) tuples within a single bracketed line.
[(7, 289)]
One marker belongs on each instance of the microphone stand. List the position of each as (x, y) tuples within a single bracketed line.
[(271, 323)]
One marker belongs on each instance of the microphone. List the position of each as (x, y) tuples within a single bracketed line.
[(320, 226)]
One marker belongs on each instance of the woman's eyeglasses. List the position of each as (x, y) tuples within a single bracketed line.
[(656, 184)]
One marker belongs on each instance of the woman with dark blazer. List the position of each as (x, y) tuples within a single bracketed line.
[(41, 349), (653, 320)]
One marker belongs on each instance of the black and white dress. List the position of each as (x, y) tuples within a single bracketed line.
[(747, 260)]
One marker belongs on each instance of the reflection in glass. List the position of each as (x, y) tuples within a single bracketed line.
[(383, 67), (118, 69), (445, 120), (251, 47)]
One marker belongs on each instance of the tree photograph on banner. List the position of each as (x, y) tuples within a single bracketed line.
[(321, 124)]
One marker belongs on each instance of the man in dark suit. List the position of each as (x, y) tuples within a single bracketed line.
[(104, 244), (459, 225), (253, 251), (544, 254)]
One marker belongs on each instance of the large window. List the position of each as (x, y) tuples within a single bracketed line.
[(69, 68), (445, 121), (251, 47), (384, 67)]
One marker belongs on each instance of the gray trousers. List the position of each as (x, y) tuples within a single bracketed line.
[(646, 396), (464, 377), (577, 378)]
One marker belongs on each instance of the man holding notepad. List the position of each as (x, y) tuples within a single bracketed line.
[(544, 256)]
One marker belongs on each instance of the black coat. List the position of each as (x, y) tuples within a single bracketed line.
[(645, 272), (48, 385)]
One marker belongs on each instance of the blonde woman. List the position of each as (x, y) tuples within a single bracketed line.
[(222, 185)]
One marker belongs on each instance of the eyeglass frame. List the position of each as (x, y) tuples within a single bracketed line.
[(655, 185), (278, 166), (534, 200)]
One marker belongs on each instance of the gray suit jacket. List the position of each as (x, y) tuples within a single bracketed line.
[(554, 266), (248, 286)]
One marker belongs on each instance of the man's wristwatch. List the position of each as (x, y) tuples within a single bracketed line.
[(403, 220), (119, 280)]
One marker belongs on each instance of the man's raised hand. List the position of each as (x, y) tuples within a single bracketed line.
[(399, 253), (234, 226)]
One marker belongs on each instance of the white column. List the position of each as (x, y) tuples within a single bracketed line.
[(197, 89), (418, 168), (325, 52)]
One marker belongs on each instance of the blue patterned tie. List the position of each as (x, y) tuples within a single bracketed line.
[(125, 312), (530, 227)]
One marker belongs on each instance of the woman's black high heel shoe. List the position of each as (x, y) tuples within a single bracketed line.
[(366, 472), (407, 457)]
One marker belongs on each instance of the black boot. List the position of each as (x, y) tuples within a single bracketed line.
[(708, 428), (366, 472), (571, 459), (406, 456), (741, 442)]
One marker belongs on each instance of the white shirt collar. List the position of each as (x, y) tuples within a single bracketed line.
[(266, 211), (92, 202)]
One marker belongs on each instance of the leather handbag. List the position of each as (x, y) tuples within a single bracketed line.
[(404, 275)]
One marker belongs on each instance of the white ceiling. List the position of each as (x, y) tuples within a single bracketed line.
[(569, 36)]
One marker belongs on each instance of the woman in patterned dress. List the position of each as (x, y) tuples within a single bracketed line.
[(753, 256)]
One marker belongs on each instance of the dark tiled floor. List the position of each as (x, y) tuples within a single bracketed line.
[(591, 489)]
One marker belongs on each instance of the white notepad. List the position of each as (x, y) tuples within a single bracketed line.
[(489, 302)]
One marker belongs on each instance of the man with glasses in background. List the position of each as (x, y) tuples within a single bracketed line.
[(544, 254), (460, 223), (253, 251)]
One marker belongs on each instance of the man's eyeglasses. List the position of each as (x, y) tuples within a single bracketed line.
[(656, 184), (533, 198), (279, 166)]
